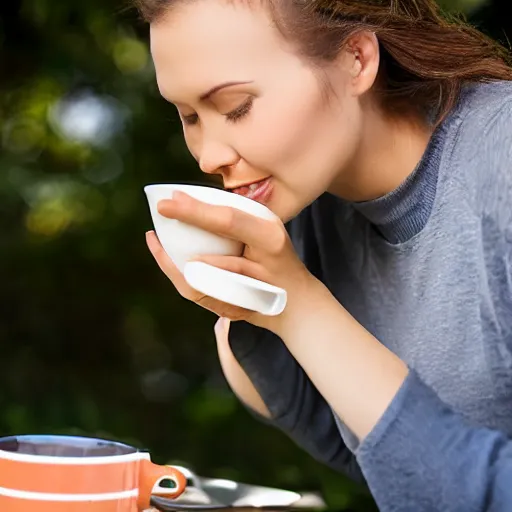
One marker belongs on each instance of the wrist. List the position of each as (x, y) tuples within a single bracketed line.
[(304, 303)]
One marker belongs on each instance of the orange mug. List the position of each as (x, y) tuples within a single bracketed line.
[(80, 474)]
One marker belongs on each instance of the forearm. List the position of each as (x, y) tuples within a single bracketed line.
[(355, 373), (235, 375), (296, 407)]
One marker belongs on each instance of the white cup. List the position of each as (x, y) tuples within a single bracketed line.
[(182, 242)]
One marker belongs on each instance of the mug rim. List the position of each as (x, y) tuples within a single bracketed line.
[(136, 454)]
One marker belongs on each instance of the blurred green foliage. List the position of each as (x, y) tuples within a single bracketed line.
[(94, 339)]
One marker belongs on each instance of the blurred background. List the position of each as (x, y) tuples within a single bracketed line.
[(94, 340)]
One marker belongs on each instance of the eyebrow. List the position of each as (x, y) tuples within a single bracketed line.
[(218, 87)]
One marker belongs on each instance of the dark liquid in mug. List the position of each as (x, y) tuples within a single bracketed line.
[(64, 446)]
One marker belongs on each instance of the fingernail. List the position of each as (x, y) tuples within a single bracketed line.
[(221, 325), (150, 239)]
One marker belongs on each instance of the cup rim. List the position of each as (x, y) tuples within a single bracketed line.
[(185, 185), (136, 454), (241, 202)]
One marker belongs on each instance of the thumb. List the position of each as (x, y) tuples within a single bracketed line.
[(222, 329)]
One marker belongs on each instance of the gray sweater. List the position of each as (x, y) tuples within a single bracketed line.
[(428, 270)]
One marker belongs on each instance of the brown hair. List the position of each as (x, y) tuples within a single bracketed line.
[(426, 57)]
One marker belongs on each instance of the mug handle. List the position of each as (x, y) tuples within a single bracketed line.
[(150, 477)]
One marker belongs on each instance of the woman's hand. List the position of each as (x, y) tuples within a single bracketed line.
[(357, 375), (268, 256)]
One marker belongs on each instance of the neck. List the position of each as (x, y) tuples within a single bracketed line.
[(388, 153)]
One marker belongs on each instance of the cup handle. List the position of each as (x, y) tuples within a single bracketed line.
[(235, 289), (151, 476)]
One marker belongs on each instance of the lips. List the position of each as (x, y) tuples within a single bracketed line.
[(259, 191)]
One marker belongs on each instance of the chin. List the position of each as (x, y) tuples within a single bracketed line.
[(284, 203), (287, 211)]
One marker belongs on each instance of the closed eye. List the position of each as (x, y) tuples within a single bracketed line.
[(235, 115), (240, 112), (190, 119)]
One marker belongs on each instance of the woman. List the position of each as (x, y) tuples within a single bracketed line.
[(381, 135)]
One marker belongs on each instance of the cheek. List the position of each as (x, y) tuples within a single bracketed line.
[(280, 132)]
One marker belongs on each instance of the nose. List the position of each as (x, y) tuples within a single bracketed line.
[(216, 156)]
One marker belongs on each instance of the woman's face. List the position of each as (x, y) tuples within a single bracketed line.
[(253, 111)]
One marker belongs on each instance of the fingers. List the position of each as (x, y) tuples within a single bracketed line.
[(236, 264), (169, 268), (221, 330), (171, 271), (225, 221), (223, 309)]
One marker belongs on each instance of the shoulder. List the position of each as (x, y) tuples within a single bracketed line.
[(485, 113), (484, 119), (482, 154)]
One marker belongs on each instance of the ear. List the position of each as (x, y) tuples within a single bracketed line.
[(362, 60)]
